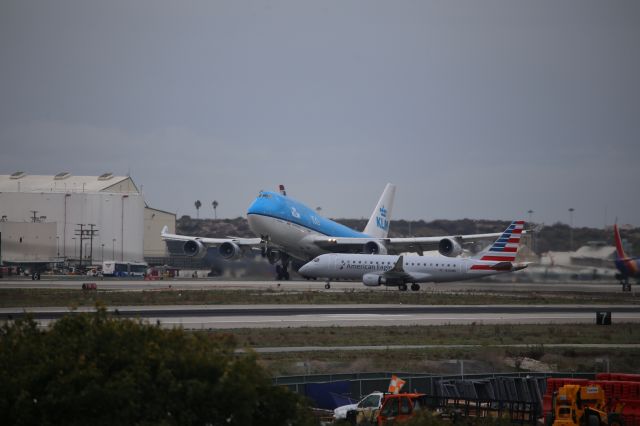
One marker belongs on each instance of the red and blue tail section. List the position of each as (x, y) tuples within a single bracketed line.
[(628, 267), (504, 249)]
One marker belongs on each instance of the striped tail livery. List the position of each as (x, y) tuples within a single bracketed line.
[(502, 253)]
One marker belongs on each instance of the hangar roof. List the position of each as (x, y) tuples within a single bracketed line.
[(66, 182)]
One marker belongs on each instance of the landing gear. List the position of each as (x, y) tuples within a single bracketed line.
[(282, 273), (327, 285), (402, 287), (282, 269), (415, 287), (624, 280)]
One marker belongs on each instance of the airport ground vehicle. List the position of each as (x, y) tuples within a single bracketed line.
[(362, 409), (123, 269), (575, 405), (398, 408)]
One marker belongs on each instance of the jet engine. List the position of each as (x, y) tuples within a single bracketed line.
[(374, 247), (371, 280), (230, 250), (374, 280), (194, 248), (449, 247)]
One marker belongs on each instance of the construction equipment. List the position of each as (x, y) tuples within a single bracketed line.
[(576, 405)]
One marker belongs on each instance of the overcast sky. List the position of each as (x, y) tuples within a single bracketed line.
[(477, 109)]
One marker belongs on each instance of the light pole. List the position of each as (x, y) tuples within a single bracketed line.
[(532, 235), (571, 210), (113, 250), (75, 248), (57, 246), (102, 261)]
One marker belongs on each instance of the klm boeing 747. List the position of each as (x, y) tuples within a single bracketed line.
[(289, 230)]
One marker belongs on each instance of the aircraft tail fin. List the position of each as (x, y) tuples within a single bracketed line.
[(619, 249), (505, 248), (378, 225)]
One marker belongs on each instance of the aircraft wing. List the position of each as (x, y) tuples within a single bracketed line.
[(398, 274), (397, 245), (211, 242)]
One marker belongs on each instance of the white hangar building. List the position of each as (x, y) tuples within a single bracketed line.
[(41, 218)]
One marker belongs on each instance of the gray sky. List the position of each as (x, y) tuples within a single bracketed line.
[(479, 109)]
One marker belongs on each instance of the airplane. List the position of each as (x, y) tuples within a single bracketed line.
[(376, 270), (629, 267), (289, 230)]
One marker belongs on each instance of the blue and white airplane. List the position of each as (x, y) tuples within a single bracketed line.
[(289, 230)]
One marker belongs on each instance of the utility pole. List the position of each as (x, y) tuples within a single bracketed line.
[(92, 233), (80, 233), (86, 234)]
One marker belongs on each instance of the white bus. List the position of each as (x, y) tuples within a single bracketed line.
[(112, 268)]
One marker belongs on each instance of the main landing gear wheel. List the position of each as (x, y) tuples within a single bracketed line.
[(402, 287), (282, 273), (327, 285), (415, 287)]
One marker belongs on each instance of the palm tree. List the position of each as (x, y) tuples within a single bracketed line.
[(198, 204), (214, 204)]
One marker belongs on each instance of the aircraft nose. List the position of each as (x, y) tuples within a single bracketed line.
[(307, 269)]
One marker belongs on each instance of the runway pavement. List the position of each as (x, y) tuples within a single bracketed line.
[(304, 285), (261, 316)]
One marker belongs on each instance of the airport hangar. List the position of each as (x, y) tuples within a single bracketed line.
[(41, 217)]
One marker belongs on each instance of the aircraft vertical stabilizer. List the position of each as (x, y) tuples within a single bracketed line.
[(378, 225), (619, 250), (505, 248)]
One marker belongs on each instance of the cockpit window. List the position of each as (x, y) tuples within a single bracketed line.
[(264, 195), (317, 259)]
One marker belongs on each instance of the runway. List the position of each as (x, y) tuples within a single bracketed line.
[(304, 285), (269, 316)]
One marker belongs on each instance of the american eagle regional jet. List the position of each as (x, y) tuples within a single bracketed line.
[(289, 230), (375, 270)]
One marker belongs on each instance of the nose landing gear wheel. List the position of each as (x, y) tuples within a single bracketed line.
[(327, 286), (415, 287)]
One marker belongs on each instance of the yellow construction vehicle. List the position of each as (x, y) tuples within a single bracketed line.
[(575, 405)]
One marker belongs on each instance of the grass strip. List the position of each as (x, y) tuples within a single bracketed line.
[(75, 298), (454, 334)]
